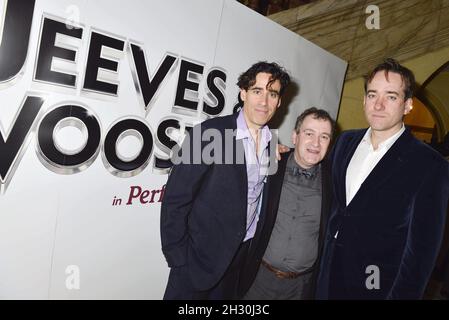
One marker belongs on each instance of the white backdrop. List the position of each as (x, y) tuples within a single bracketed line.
[(58, 227)]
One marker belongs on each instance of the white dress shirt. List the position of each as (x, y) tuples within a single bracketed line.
[(364, 160)]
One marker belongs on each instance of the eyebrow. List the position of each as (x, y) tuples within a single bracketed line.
[(388, 92), (312, 130), (393, 92), (260, 88)]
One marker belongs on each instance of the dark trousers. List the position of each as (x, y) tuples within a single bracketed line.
[(180, 287)]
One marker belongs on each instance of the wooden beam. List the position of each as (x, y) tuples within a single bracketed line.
[(408, 29)]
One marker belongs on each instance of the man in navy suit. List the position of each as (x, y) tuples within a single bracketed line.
[(390, 200), (215, 197)]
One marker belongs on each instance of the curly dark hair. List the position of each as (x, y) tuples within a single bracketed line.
[(391, 65), (248, 78)]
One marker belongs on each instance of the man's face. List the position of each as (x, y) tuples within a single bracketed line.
[(260, 102), (312, 141), (384, 103)]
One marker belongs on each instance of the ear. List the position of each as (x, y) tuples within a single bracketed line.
[(279, 102), (408, 106), (243, 94), (294, 137)]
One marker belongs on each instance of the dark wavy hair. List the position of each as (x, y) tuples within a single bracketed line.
[(248, 78), (391, 65)]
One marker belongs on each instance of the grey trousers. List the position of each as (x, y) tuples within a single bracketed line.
[(267, 286)]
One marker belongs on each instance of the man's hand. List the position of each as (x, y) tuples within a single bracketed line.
[(280, 148)]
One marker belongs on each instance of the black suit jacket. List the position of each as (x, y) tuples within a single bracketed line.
[(394, 222), (204, 209), (263, 234)]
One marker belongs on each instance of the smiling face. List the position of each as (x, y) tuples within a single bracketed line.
[(260, 101), (312, 141), (384, 103)]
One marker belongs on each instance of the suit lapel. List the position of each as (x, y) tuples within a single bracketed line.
[(339, 176), (387, 165), (270, 203), (274, 187), (326, 192), (240, 169)]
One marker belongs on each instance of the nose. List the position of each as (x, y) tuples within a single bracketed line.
[(264, 99), (316, 141), (379, 103)]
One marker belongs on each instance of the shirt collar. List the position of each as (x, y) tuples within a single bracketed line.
[(385, 144), (243, 131), (292, 164)]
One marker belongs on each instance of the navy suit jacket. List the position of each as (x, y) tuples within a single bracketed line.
[(395, 222), (203, 213)]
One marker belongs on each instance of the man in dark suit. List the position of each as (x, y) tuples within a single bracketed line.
[(390, 199), (291, 238), (213, 198)]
